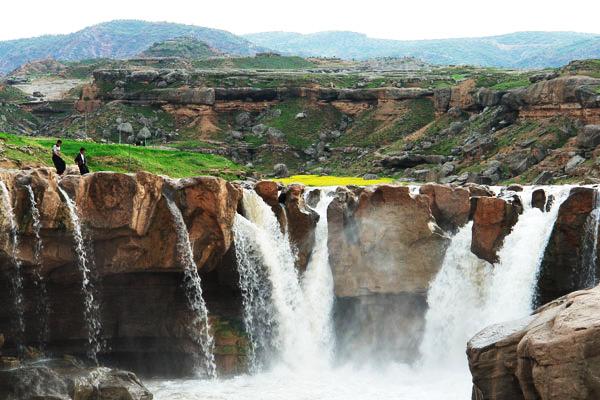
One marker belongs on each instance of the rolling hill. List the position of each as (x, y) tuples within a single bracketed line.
[(115, 39), (516, 50)]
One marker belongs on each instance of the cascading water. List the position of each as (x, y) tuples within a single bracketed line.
[(91, 307), (317, 282), (589, 254), (466, 296), (43, 306), (459, 289), (488, 294), (193, 291), (16, 276), (293, 340)]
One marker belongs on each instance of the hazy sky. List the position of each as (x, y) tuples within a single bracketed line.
[(394, 19)]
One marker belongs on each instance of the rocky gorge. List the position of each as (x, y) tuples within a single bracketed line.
[(136, 300)]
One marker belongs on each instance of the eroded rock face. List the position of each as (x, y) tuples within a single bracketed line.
[(449, 206), (561, 269), (493, 219), (364, 226), (551, 355), (135, 266), (68, 379)]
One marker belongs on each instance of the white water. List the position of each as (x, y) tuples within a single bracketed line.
[(91, 308), (294, 341), (466, 295), (43, 306), (193, 290), (16, 276), (589, 253)]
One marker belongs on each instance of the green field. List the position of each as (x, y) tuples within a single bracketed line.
[(29, 151)]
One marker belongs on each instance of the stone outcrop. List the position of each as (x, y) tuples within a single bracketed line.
[(449, 206), (68, 379), (493, 219), (363, 226), (561, 271), (135, 262), (551, 355)]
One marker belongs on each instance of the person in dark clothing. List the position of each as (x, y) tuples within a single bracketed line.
[(81, 162), (59, 163)]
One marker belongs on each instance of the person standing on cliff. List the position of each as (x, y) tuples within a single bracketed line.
[(59, 163), (81, 162)]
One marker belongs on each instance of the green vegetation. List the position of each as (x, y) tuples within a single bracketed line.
[(185, 47), (11, 94), (257, 62), (24, 150)]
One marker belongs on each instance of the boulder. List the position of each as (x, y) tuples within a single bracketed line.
[(364, 227), (538, 199), (281, 170), (493, 219), (589, 137), (561, 268), (69, 379), (551, 355), (449, 206), (573, 163)]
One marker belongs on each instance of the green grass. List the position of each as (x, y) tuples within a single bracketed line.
[(327, 180), (258, 62), (511, 84), (119, 158), (10, 94)]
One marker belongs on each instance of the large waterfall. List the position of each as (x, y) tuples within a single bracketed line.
[(300, 326)]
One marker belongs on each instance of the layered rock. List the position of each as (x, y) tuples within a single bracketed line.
[(132, 248), (561, 271), (551, 355), (450, 206)]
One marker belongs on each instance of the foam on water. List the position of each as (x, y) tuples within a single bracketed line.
[(589, 252)]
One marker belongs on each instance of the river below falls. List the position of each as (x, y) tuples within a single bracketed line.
[(392, 381)]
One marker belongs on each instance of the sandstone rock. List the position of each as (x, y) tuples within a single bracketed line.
[(478, 190), (362, 230), (561, 269), (548, 356), (441, 99), (493, 219), (269, 191), (449, 206), (64, 379)]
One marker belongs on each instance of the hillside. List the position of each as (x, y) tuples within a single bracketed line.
[(115, 39), (516, 50), (184, 47)]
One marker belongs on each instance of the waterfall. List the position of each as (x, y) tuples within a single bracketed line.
[(456, 299), (589, 253), (513, 281), (296, 335), (43, 306), (193, 291), (258, 312), (16, 276), (91, 307), (468, 293), (317, 282)]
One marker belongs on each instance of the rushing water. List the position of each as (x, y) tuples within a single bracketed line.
[(288, 316), (589, 253), (91, 307), (16, 276), (193, 290), (42, 306)]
